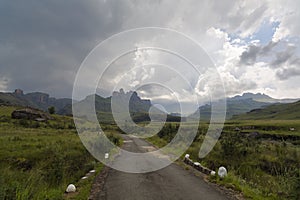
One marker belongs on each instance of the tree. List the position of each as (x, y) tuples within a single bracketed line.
[(51, 110)]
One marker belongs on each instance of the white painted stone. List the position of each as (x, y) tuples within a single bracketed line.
[(187, 156), (93, 171), (222, 172), (84, 177), (196, 163), (106, 156), (213, 173), (71, 188)]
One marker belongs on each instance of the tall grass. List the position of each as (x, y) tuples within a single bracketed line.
[(39, 159), (261, 167)]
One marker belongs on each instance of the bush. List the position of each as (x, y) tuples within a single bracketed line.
[(113, 138), (51, 110), (24, 123), (34, 125), (5, 118)]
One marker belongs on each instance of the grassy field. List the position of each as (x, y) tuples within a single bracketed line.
[(261, 165), (39, 159)]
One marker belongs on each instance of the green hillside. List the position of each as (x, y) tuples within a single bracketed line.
[(240, 104), (234, 107), (36, 100), (10, 99), (290, 111)]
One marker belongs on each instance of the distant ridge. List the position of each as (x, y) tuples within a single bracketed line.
[(289, 111), (36, 100), (241, 104), (262, 98), (138, 107)]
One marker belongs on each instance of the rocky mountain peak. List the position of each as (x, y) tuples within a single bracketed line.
[(19, 92)]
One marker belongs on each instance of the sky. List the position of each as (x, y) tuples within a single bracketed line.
[(254, 46)]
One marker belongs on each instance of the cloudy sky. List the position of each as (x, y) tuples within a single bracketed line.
[(253, 44)]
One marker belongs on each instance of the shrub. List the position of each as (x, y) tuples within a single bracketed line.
[(24, 123), (51, 110)]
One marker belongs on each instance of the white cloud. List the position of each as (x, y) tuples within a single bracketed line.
[(212, 26), (3, 83), (224, 29), (287, 13)]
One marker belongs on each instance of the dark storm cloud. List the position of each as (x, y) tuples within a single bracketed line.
[(253, 52), (42, 43), (290, 69), (249, 56), (284, 74), (286, 56), (285, 61)]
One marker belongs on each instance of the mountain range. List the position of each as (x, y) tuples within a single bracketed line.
[(278, 111), (139, 108), (37, 100), (261, 98), (241, 104)]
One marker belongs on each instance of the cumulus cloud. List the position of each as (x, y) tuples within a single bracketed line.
[(42, 43), (288, 14)]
